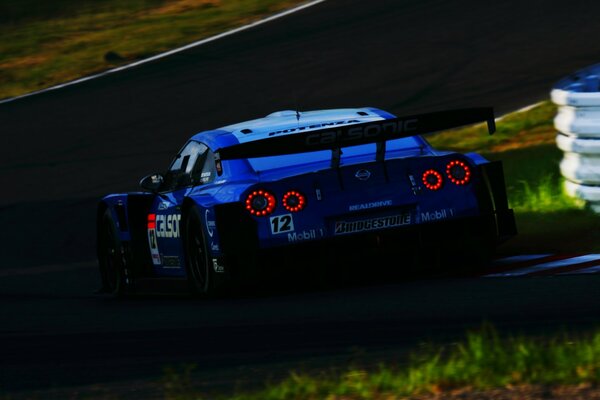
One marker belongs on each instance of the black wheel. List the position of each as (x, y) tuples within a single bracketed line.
[(111, 257), (202, 278)]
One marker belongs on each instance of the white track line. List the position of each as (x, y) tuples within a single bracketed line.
[(548, 265), (516, 259), (171, 52), (520, 110)]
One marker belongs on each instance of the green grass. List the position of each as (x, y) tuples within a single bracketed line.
[(482, 360), (533, 179), (49, 42)]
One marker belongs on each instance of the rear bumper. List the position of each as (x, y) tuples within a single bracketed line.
[(239, 234)]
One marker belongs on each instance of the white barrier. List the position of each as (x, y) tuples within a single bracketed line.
[(578, 125)]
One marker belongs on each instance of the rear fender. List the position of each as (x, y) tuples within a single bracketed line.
[(228, 229), (208, 203)]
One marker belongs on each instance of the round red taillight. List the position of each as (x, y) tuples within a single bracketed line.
[(432, 179), (293, 201), (260, 203), (458, 172)]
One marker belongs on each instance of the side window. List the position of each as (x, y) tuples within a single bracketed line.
[(206, 170), (181, 171)]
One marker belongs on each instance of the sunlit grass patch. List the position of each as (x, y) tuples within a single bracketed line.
[(533, 179), (547, 194)]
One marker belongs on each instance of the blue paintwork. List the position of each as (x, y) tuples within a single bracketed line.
[(306, 171), (586, 80)]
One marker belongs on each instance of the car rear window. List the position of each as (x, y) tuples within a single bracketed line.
[(349, 155)]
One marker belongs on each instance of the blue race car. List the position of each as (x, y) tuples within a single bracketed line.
[(296, 182)]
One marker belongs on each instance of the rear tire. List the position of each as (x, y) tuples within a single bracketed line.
[(112, 258), (202, 278)]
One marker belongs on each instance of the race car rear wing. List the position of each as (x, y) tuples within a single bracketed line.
[(334, 138)]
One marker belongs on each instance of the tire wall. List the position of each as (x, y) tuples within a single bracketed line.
[(578, 136)]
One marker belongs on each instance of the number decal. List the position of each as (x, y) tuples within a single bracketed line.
[(281, 224)]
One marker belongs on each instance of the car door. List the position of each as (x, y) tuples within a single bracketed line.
[(164, 219)]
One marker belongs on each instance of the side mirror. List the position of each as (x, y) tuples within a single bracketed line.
[(152, 183)]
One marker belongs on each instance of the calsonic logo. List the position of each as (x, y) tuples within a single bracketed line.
[(167, 226), (344, 227), (437, 215), (366, 206), (310, 234), (369, 131), (323, 125)]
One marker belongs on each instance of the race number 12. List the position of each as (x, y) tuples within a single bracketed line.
[(281, 224)]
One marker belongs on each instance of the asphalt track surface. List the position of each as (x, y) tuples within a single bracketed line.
[(62, 150)]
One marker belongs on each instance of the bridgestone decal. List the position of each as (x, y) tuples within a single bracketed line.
[(345, 227)]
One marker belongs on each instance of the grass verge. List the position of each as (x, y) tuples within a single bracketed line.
[(482, 360), (46, 43)]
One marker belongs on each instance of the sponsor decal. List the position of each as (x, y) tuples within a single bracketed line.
[(413, 185), (163, 205), (205, 177), (152, 242), (370, 131), (167, 226), (310, 234), (215, 246), (366, 206), (362, 174), (170, 261), (282, 224), (315, 126), (218, 267), (390, 221), (437, 215), (210, 223)]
